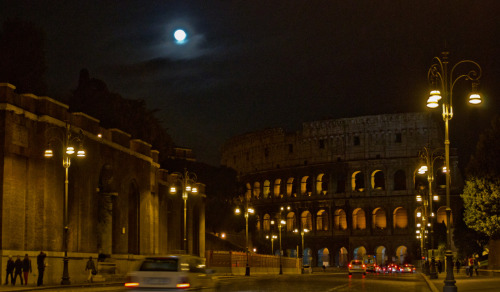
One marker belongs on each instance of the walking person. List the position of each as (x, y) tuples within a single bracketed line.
[(90, 267), (476, 266), (440, 266), (26, 268), (10, 271), (457, 265), (40, 262), (18, 270), (471, 267)]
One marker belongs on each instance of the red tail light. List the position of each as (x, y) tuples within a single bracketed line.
[(183, 285), (131, 284)]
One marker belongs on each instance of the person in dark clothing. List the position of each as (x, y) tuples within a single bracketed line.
[(440, 266), (90, 267), (18, 266), (26, 268), (40, 262), (10, 271), (457, 265), (476, 266)]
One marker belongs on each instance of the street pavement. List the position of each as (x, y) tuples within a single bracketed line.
[(485, 282)]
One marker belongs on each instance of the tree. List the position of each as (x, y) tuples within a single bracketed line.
[(467, 240), (482, 189), (22, 58)]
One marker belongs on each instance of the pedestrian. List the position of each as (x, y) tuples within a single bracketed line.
[(471, 267), (40, 262), (457, 265), (26, 268), (18, 270), (10, 271), (440, 266), (476, 266), (90, 267)]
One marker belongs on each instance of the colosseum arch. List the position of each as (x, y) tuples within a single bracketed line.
[(321, 184), (380, 255), (306, 220), (306, 186), (257, 223), (323, 257), (277, 187), (290, 187), (359, 252), (248, 191), (399, 180), (401, 254), (266, 189), (441, 216), (266, 222), (379, 219), (378, 180), (322, 220), (291, 221), (400, 216), (343, 257), (358, 181), (340, 220), (358, 219), (256, 189)]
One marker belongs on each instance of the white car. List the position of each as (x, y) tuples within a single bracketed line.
[(175, 272)]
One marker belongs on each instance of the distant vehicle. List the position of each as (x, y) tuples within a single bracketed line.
[(357, 266), (407, 268), (175, 272)]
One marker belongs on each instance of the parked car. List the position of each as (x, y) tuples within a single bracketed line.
[(357, 266), (407, 268), (175, 272)]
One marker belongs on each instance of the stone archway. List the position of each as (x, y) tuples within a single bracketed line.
[(323, 257)]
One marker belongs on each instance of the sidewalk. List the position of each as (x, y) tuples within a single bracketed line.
[(31, 287), (464, 282)]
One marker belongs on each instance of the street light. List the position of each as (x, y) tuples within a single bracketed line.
[(302, 232), (429, 156), (272, 238), (188, 186), (248, 210), (68, 141), (281, 223), (442, 82)]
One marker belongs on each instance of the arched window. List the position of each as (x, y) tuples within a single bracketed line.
[(289, 187), (277, 187), (340, 220), (256, 189), (291, 222), (358, 181), (257, 224), (399, 180), (378, 180), (306, 220), (248, 191), (322, 220), (358, 219), (306, 186), (267, 222), (379, 219), (441, 216), (400, 218), (321, 184), (267, 189)]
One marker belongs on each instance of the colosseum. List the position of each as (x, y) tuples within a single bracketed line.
[(351, 183)]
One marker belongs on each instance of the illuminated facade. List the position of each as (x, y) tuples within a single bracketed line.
[(352, 182), (118, 203)]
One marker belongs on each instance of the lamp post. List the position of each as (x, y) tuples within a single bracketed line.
[(68, 150), (429, 156), (443, 80), (248, 211), (188, 184), (272, 238), (302, 232)]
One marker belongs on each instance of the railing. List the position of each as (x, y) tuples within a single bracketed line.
[(234, 263)]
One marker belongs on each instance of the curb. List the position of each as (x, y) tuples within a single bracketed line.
[(431, 285), (51, 287)]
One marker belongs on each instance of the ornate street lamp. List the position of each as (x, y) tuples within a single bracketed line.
[(68, 140), (443, 81), (188, 183), (272, 238), (248, 210), (302, 232)]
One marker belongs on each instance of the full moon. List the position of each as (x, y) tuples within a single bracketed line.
[(180, 35)]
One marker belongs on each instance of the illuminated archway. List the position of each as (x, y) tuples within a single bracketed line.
[(359, 252), (340, 220), (323, 257), (358, 219)]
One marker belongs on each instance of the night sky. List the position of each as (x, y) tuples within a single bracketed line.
[(250, 65)]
